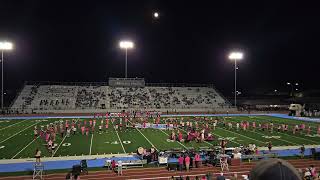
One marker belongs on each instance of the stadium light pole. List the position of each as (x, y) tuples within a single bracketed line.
[(126, 45), (235, 56), (4, 46), (291, 84)]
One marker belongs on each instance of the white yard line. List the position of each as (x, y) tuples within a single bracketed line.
[(120, 141), (270, 139), (223, 137), (203, 141), (294, 136), (58, 146), (91, 144), (119, 138), (25, 147), (176, 141), (276, 139), (243, 135), (19, 132), (145, 137), (12, 125)]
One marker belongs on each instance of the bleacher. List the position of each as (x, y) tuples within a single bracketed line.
[(93, 97)]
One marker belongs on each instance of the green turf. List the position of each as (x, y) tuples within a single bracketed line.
[(17, 140)]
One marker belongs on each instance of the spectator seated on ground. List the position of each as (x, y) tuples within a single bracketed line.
[(274, 169)]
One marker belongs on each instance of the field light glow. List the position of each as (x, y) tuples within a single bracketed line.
[(236, 55), (6, 46), (126, 44)]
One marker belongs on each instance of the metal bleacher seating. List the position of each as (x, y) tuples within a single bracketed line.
[(76, 98)]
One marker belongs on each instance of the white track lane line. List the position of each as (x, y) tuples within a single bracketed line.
[(19, 132)]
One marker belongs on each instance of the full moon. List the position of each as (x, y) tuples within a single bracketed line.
[(156, 14)]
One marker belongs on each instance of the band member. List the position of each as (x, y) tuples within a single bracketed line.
[(173, 136), (223, 144), (308, 130), (180, 137)]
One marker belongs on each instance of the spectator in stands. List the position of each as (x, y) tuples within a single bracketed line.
[(180, 160), (187, 161), (313, 171), (234, 177), (209, 176), (300, 172), (274, 169), (220, 177), (68, 176), (76, 177)]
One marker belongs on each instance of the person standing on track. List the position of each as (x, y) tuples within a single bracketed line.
[(120, 168), (187, 161), (37, 156), (302, 150), (180, 160), (269, 146)]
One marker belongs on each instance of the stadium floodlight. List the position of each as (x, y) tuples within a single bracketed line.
[(236, 55), (292, 88), (126, 45), (4, 46)]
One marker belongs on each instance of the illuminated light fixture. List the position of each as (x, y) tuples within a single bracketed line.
[(6, 46), (236, 56), (126, 44)]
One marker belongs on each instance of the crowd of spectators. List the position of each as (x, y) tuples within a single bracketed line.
[(63, 97), (89, 97)]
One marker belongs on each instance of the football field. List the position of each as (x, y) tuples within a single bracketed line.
[(17, 138)]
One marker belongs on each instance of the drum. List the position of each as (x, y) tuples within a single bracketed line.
[(140, 150)]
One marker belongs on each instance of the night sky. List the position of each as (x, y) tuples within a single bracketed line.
[(189, 43)]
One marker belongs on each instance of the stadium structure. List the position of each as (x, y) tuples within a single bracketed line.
[(117, 95), (77, 127)]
